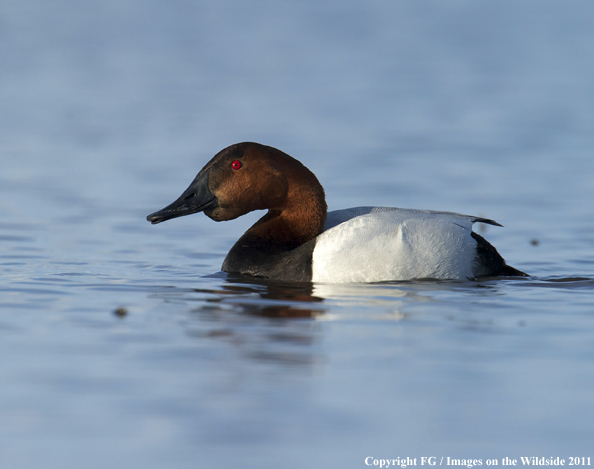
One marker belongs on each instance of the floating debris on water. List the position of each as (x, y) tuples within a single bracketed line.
[(120, 312)]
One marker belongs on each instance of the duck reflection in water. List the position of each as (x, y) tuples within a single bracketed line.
[(281, 299)]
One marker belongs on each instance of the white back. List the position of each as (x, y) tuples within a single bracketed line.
[(373, 244)]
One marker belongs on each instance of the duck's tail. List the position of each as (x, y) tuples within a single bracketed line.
[(489, 262)]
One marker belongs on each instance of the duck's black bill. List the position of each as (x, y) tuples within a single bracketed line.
[(195, 198)]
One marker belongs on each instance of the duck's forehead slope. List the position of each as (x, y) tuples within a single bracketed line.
[(245, 152), (236, 151)]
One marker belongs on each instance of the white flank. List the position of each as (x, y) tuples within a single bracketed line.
[(374, 244)]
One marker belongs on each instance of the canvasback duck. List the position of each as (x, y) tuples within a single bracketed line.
[(298, 240)]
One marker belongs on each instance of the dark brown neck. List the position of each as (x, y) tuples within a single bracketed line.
[(300, 221), (300, 217)]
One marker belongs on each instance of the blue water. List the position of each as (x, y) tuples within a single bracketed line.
[(121, 343)]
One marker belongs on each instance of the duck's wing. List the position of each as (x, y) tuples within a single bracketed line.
[(337, 217)]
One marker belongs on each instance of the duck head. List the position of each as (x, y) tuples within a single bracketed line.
[(246, 177)]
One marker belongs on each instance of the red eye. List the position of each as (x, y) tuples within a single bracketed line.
[(236, 164)]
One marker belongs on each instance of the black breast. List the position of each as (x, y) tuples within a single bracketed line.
[(261, 258)]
